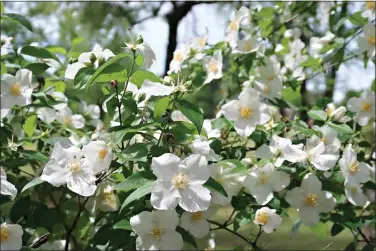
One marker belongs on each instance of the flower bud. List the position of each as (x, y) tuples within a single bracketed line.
[(100, 61), (338, 113), (114, 83), (142, 97), (92, 58), (72, 60)]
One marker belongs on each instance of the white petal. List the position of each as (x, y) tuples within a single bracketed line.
[(155, 89), (326, 202), (164, 195), (195, 198), (309, 216), (147, 242), (171, 241), (263, 152), (262, 193), (72, 70), (55, 174), (196, 169), (78, 121), (311, 183), (279, 180), (142, 223), (83, 181), (165, 166), (200, 228), (99, 154), (295, 197), (294, 153), (168, 219), (8, 188), (231, 110)]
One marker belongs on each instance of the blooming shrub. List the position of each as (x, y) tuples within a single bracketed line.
[(143, 169)]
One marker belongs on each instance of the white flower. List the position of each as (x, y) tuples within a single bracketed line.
[(84, 60), (67, 166), (268, 219), (264, 180), (269, 83), (210, 132), (99, 154), (367, 40), (46, 114), (57, 245), (16, 90), (200, 145), (196, 47), (229, 181), (77, 141), (232, 29), (94, 111), (6, 45), (275, 149), (249, 44), (337, 114), (179, 56), (317, 44), (156, 230), (7, 188), (105, 199), (148, 54), (310, 200), (372, 176), (368, 10), (246, 112), (330, 138), (363, 106), (180, 182), (354, 194), (213, 66), (155, 89), (355, 172), (177, 115), (196, 223), (65, 117), (321, 157), (10, 236)]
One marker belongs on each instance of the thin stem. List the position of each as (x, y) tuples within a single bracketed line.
[(119, 111), (74, 224), (363, 235), (129, 74), (254, 244), (229, 230)]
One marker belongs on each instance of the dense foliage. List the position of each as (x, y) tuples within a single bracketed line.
[(99, 153)]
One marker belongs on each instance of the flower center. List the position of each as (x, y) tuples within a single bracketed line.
[(234, 26), (270, 78), (157, 233), (212, 67), (366, 107), (263, 178), (262, 218), (75, 166), (102, 154), (371, 5), (67, 120), (266, 90), (372, 40), (15, 89), (180, 181), (178, 57), (201, 42), (246, 112), (248, 46), (197, 216), (353, 189), (104, 197), (354, 167), (329, 111), (323, 139), (311, 200), (4, 235)]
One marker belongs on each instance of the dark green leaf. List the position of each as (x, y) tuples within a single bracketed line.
[(20, 19), (187, 237), (32, 183), (123, 224), (213, 184), (35, 156), (160, 107), (336, 229), (37, 52), (369, 247), (351, 247), (136, 180), (138, 193), (242, 218), (137, 152), (139, 77), (30, 125), (192, 112), (37, 68)]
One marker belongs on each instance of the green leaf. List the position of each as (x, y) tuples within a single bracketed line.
[(369, 247), (20, 19), (35, 156), (292, 96), (187, 237), (138, 193), (37, 68), (213, 184), (115, 64), (139, 77), (1, 7), (136, 180), (134, 152), (123, 224), (311, 62), (266, 12), (295, 228), (242, 218), (239, 202), (37, 52), (317, 115), (3, 68), (321, 230), (358, 19), (160, 107), (30, 125), (351, 247), (32, 183), (336, 229), (192, 112), (341, 128)]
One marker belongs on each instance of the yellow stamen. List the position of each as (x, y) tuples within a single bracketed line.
[(4, 235), (67, 120), (371, 5), (263, 178), (102, 154), (262, 218), (353, 189), (104, 197), (197, 216), (202, 42), (15, 89), (270, 78), (212, 67), (75, 167), (323, 139), (180, 181), (354, 167), (366, 107), (372, 40), (246, 112), (178, 57), (234, 26), (247, 46), (157, 233), (311, 200), (266, 90)]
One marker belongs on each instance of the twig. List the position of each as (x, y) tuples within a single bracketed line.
[(363, 235)]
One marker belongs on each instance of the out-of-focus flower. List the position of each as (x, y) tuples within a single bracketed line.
[(363, 106), (10, 236), (7, 188), (213, 66), (367, 40)]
